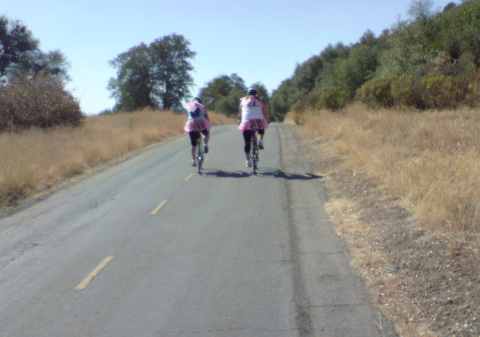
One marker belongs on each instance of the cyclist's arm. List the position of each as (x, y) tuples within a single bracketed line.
[(240, 112)]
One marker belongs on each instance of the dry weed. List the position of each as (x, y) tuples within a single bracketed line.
[(36, 160), (430, 160), (403, 194)]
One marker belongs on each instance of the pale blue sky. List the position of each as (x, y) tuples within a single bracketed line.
[(261, 41)]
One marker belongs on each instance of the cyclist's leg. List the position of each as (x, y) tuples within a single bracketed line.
[(206, 133), (207, 137), (194, 135), (247, 135), (261, 132)]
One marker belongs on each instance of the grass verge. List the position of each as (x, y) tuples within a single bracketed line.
[(36, 161), (403, 193)]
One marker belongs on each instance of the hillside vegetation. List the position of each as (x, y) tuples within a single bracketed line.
[(430, 61)]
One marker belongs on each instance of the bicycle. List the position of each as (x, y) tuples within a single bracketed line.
[(254, 158), (200, 151)]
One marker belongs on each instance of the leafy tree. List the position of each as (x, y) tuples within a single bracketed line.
[(282, 99), (53, 63), (309, 76), (333, 53), (352, 72), (306, 74), (19, 53), (421, 10), (32, 83), (460, 32), (409, 51), (133, 87), (222, 94), (16, 41), (295, 88), (156, 76)]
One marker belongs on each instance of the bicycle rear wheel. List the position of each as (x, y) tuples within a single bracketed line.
[(254, 153), (200, 153), (255, 160)]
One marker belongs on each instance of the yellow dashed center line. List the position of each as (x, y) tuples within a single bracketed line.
[(89, 278), (155, 211), (189, 176)]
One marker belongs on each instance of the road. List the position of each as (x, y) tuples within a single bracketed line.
[(147, 247)]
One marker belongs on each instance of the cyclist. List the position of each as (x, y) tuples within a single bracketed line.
[(197, 121), (252, 116)]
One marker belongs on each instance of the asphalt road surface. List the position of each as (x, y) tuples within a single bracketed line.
[(148, 247)]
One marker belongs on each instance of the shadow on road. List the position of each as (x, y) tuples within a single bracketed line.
[(225, 174), (263, 173), (275, 173)]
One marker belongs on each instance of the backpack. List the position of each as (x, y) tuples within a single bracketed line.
[(250, 102), (197, 113)]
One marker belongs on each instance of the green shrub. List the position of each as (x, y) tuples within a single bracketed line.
[(333, 99), (408, 91), (431, 91), (311, 101), (473, 94), (39, 101), (445, 92), (377, 93), (299, 107)]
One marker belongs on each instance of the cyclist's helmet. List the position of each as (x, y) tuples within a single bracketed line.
[(252, 91), (197, 99)]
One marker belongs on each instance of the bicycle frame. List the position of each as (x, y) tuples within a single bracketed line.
[(254, 151)]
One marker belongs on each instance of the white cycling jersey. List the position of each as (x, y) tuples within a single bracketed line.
[(251, 108)]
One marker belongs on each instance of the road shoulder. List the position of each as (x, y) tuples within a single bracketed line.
[(425, 281), (336, 299)]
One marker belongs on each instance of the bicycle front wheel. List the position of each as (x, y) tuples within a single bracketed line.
[(200, 154)]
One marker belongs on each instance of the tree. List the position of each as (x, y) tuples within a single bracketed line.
[(16, 41), (349, 74), (222, 94), (409, 50), (19, 54), (32, 83), (132, 89), (282, 99), (54, 63), (421, 10), (155, 76), (460, 33), (309, 76)]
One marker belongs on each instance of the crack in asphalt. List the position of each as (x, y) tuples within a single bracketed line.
[(162, 333)]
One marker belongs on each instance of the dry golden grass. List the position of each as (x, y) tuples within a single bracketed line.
[(430, 160), (35, 161), (403, 193)]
